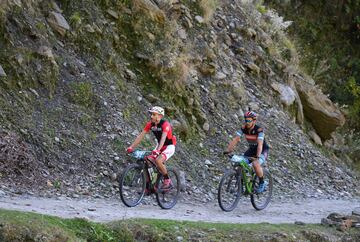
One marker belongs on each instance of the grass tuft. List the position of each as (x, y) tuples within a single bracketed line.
[(208, 8), (82, 94)]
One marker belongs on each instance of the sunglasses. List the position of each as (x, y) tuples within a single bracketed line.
[(248, 120)]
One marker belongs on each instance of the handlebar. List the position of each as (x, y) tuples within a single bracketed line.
[(139, 154), (228, 153)]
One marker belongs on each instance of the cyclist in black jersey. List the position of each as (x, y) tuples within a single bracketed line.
[(258, 147)]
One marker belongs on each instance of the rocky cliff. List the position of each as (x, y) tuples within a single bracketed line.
[(78, 76)]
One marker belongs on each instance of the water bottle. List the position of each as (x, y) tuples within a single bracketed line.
[(152, 174)]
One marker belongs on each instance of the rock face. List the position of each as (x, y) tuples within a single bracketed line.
[(58, 23), (319, 110), (101, 94)]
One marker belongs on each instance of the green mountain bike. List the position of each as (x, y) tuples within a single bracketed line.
[(143, 178), (242, 180)]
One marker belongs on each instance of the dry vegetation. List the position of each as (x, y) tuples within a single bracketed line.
[(208, 7)]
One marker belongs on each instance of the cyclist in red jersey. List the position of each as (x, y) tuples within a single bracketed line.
[(258, 147), (165, 139)]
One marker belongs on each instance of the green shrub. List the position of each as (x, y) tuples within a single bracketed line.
[(354, 110), (327, 34), (82, 94), (75, 19)]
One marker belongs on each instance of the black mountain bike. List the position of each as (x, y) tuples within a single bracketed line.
[(143, 178), (242, 180)]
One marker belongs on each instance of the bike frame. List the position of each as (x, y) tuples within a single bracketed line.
[(146, 165), (156, 170), (245, 169)]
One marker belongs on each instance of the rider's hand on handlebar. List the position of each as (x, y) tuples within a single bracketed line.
[(130, 149), (156, 152), (225, 152), (254, 158)]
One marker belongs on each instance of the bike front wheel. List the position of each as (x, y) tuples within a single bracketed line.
[(229, 190), (261, 200), (132, 184), (167, 197)]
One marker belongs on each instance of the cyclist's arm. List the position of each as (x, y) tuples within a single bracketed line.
[(138, 139), (260, 141), (233, 143), (259, 147), (162, 141)]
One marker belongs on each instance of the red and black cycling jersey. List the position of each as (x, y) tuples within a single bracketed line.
[(252, 136), (157, 130)]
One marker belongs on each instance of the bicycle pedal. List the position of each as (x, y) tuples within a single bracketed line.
[(166, 190)]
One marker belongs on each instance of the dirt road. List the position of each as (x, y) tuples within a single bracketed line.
[(103, 210)]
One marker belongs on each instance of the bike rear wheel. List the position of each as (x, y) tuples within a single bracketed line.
[(167, 198), (261, 200), (229, 190), (132, 184)]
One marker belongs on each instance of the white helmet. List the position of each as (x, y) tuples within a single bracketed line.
[(157, 109)]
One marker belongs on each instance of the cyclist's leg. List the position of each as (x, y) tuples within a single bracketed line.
[(164, 156), (255, 164), (263, 157), (258, 169), (261, 161)]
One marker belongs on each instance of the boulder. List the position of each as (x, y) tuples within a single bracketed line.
[(356, 211), (345, 225), (299, 107), (2, 72), (207, 69), (46, 52), (253, 68), (175, 123), (238, 91), (152, 99), (151, 9), (199, 19), (55, 7), (315, 137), (182, 34), (58, 23), (220, 75), (251, 33), (182, 181), (319, 110), (113, 13), (287, 95), (130, 75), (206, 126)]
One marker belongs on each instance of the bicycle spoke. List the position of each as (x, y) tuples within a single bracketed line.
[(229, 191), (132, 185), (167, 198), (261, 200)]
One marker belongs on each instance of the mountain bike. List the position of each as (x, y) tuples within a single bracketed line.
[(242, 180), (143, 178)]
